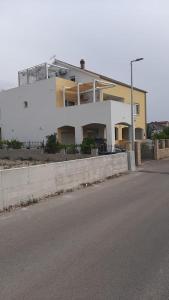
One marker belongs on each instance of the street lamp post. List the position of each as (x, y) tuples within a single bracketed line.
[(132, 103)]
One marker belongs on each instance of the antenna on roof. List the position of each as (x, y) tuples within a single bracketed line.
[(53, 60), (53, 57)]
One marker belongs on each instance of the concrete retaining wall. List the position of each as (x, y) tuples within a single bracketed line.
[(26, 183)]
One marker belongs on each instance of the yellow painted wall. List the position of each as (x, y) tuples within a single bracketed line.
[(60, 83)]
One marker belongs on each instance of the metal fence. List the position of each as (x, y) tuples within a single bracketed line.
[(33, 145), (98, 149)]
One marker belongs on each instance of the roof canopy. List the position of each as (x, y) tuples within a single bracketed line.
[(73, 93), (89, 86)]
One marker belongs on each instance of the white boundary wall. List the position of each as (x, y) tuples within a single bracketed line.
[(27, 183)]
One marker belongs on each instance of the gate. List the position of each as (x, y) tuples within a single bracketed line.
[(147, 150)]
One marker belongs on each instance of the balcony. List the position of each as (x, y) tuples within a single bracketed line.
[(90, 92)]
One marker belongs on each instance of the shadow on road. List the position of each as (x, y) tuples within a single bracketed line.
[(154, 172)]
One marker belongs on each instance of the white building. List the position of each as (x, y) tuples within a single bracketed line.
[(69, 100)]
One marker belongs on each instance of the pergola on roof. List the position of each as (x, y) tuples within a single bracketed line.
[(74, 92), (89, 86)]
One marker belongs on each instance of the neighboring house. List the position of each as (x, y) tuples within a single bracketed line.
[(156, 127), (73, 102)]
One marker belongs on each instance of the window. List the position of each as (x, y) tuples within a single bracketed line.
[(25, 104), (136, 109)]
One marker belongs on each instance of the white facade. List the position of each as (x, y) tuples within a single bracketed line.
[(31, 123), (29, 112), (107, 113)]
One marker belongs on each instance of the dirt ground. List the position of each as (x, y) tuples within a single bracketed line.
[(8, 164)]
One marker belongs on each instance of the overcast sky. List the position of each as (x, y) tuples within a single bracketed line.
[(107, 34)]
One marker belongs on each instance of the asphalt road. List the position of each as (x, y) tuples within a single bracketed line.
[(107, 241)]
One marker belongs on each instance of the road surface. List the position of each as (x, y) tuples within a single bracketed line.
[(107, 241)]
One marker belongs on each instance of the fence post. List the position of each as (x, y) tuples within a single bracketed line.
[(162, 142), (156, 150), (167, 143), (138, 153)]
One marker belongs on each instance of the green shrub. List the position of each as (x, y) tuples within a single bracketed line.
[(52, 145), (87, 145), (1, 144), (160, 136), (14, 144), (166, 131), (71, 149)]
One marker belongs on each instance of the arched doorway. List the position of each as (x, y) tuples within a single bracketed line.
[(66, 135), (95, 131)]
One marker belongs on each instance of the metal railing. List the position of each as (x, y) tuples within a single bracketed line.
[(33, 145)]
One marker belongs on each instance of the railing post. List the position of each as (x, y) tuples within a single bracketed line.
[(78, 94)]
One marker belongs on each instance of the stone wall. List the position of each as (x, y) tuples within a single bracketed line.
[(21, 185), (157, 149), (161, 149)]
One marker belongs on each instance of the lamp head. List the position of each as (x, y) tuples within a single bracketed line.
[(138, 59)]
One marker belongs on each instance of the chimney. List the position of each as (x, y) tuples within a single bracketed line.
[(82, 64)]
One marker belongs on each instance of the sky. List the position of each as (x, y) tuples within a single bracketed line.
[(107, 34)]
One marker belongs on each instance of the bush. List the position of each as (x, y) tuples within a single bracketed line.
[(52, 145), (160, 136), (87, 145), (166, 131), (1, 144), (71, 149), (14, 144)]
